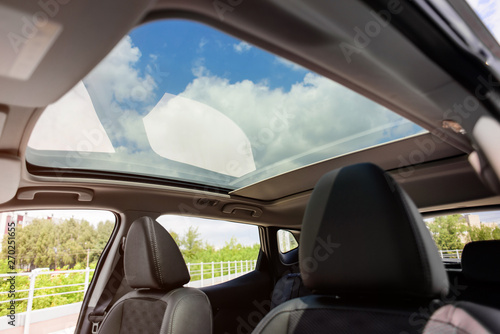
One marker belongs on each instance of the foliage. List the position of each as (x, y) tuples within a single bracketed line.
[(481, 233), (496, 234), (195, 250), (452, 232), (448, 231), (45, 243), (191, 244), (45, 281)]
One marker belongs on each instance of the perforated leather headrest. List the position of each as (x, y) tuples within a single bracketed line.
[(152, 259), (362, 234)]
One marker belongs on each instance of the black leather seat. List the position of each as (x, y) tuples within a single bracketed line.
[(366, 255), (481, 271), (154, 267)]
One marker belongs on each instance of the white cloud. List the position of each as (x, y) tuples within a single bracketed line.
[(116, 77), (201, 45), (241, 47), (289, 64), (489, 12), (316, 115), (199, 69), (121, 93), (314, 119)]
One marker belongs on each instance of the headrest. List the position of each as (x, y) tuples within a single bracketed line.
[(481, 261), (362, 234), (152, 259)]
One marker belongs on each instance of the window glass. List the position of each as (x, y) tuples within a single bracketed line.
[(452, 232), (180, 100), (286, 241), (489, 12), (56, 249), (215, 251)]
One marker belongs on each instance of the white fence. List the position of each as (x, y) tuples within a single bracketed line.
[(202, 274), (211, 273), (32, 289), (451, 254)]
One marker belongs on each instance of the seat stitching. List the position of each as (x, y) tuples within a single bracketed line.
[(154, 248)]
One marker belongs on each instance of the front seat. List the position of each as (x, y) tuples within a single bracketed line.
[(481, 270), (155, 268), (366, 255)]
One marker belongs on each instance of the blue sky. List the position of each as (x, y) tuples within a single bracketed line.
[(173, 56), (173, 91), (289, 116), (489, 12)]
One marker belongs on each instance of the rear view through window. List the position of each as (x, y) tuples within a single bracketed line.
[(452, 232), (48, 258), (215, 251)]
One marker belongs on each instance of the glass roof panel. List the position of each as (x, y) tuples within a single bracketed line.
[(182, 101), (489, 12)]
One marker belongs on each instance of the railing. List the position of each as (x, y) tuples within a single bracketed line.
[(32, 289), (451, 254), (210, 273), (202, 274)]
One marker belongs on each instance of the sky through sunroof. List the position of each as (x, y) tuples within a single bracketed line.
[(489, 12), (180, 100)]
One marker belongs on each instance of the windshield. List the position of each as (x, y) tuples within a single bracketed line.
[(182, 101)]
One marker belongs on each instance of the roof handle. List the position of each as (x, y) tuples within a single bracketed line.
[(84, 195), (232, 208)]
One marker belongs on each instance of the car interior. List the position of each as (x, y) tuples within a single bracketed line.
[(390, 115)]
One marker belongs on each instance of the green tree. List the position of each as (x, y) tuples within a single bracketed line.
[(103, 233), (176, 238), (482, 232), (191, 243), (448, 231), (34, 244), (46, 243), (496, 233)]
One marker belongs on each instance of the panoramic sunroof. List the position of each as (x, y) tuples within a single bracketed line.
[(489, 12), (182, 101)]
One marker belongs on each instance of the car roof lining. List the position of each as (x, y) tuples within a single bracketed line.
[(432, 185)]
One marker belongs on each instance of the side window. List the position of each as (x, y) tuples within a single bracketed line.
[(48, 258), (286, 241), (452, 232), (215, 251)]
